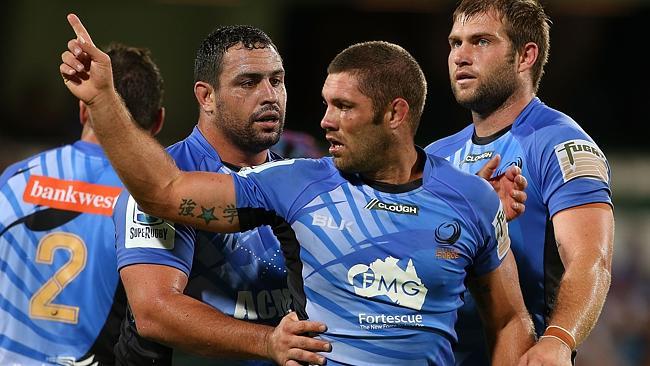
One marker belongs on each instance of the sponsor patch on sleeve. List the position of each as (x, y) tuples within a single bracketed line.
[(581, 158), (500, 225), (146, 231)]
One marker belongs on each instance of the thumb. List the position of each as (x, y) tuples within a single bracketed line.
[(489, 168)]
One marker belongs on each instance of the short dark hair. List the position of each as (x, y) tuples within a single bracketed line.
[(209, 56), (138, 81), (385, 71), (524, 20)]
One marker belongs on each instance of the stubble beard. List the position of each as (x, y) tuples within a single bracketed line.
[(369, 153), (490, 94), (246, 136)]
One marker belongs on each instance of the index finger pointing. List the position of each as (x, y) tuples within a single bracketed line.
[(79, 29)]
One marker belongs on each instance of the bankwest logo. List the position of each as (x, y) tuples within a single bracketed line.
[(399, 208), (402, 287), (71, 195)]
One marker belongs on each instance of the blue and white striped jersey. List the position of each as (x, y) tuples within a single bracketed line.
[(61, 301), (564, 168), (383, 266)]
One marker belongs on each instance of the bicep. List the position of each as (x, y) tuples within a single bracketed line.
[(147, 283), (584, 232), (203, 200)]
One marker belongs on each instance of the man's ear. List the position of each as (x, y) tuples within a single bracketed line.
[(84, 114), (397, 113), (205, 96), (160, 121), (528, 56)]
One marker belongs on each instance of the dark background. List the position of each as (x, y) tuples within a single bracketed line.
[(596, 72)]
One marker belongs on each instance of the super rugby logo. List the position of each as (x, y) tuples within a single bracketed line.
[(399, 208), (581, 158), (146, 231)]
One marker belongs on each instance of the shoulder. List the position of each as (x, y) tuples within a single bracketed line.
[(544, 125), (303, 169), (460, 188), (449, 144)]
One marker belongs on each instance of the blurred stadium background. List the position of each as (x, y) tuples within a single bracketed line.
[(596, 74)]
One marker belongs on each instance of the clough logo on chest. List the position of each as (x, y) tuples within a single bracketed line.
[(398, 208)]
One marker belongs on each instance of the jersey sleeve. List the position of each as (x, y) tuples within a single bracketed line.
[(493, 226), (573, 170), (274, 187), (146, 239)]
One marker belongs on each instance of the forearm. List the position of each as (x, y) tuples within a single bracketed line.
[(513, 340), (140, 161), (584, 236), (182, 322), (581, 295)]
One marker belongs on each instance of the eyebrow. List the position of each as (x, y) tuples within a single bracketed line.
[(259, 75), (473, 36)]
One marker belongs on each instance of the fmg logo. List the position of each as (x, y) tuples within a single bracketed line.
[(385, 277)]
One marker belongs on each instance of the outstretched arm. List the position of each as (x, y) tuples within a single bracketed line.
[(150, 175), (508, 326)]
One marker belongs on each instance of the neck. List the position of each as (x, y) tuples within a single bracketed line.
[(398, 168), (489, 123), (228, 151)]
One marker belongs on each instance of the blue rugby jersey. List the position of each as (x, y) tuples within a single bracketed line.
[(241, 274), (60, 297), (383, 266), (564, 168)]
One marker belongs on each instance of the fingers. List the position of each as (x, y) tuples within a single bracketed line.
[(305, 356), (514, 174), (72, 62), (82, 34), (488, 169), (293, 339), (521, 183), (84, 42)]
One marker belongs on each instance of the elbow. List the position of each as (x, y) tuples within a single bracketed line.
[(148, 322)]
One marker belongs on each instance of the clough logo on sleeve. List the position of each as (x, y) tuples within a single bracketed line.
[(146, 231), (581, 158), (71, 195)]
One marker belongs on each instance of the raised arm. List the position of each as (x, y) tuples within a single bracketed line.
[(584, 235), (508, 326), (151, 176)]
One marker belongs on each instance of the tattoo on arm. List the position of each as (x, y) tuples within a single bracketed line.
[(207, 215), (186, 207), (229, 213)]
